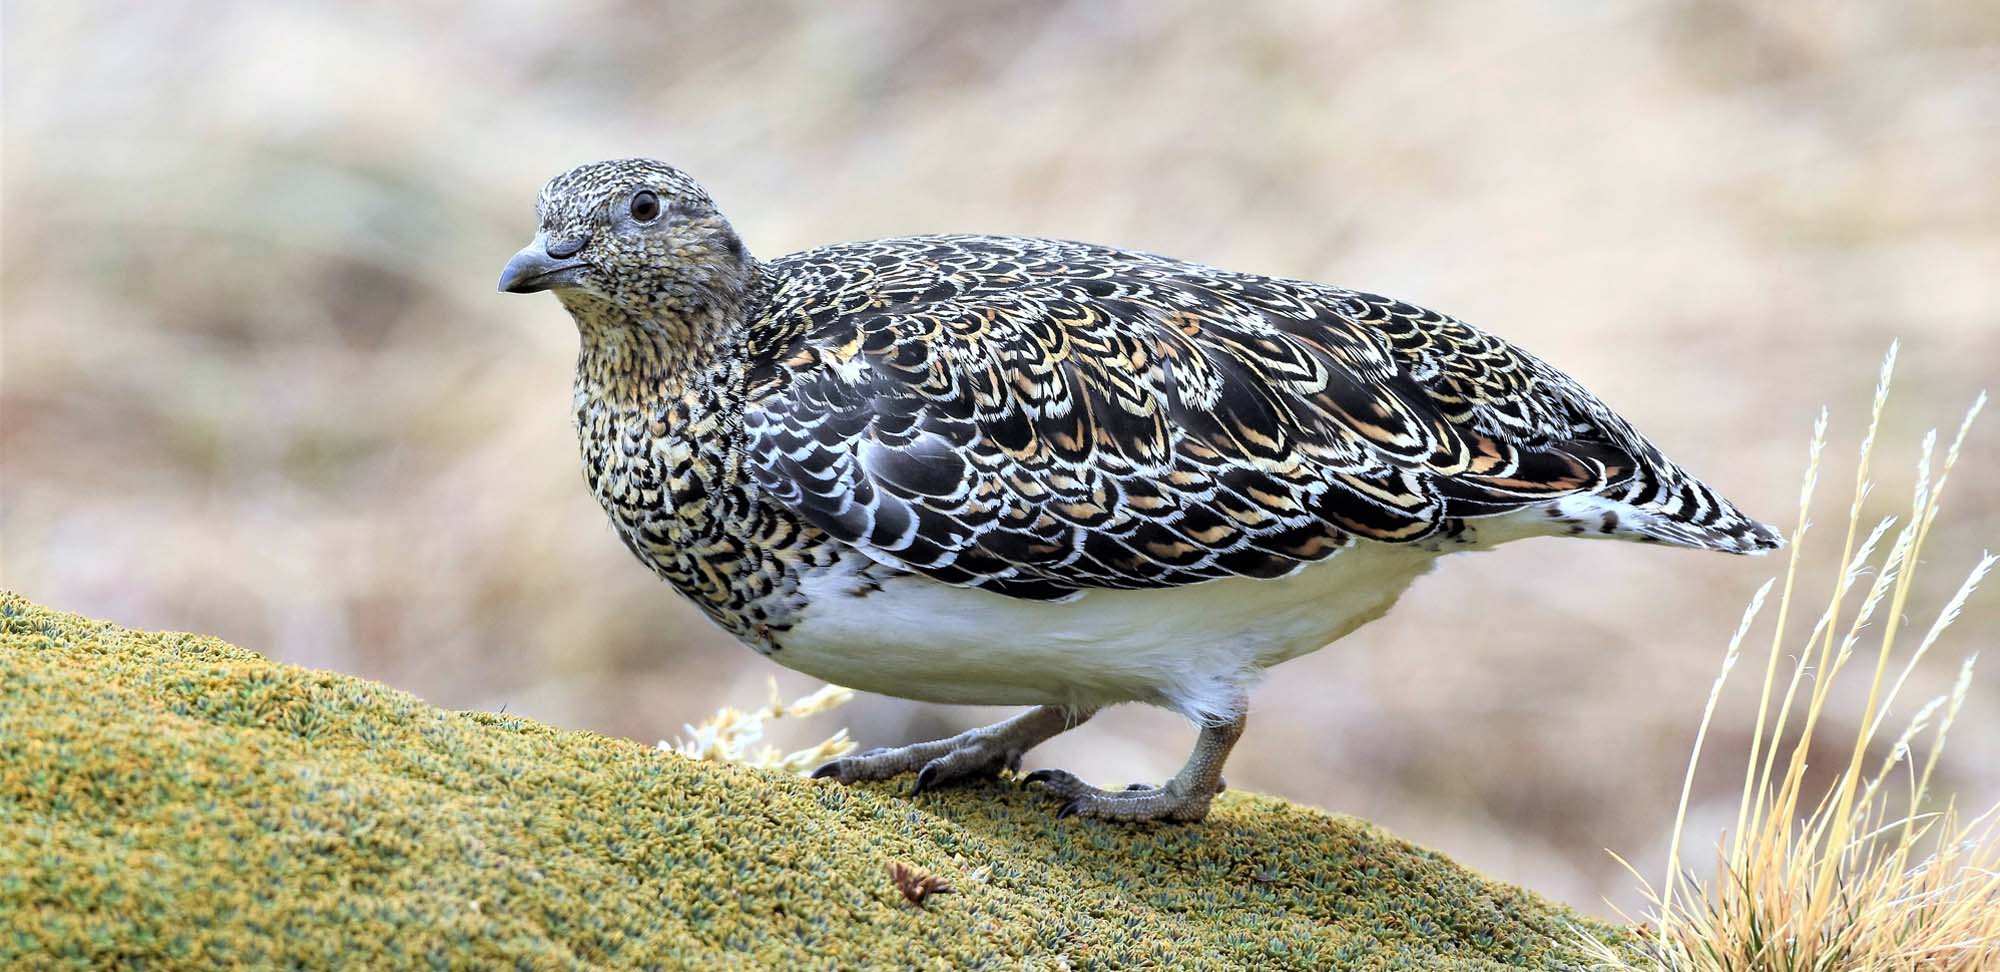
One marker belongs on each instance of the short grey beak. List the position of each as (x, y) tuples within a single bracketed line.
[(533, 270)]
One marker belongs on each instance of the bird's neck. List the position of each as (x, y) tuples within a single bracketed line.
[(628, 361)]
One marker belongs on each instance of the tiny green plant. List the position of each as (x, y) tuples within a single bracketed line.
[(1876, 872)]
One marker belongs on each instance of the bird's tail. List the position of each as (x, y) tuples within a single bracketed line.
[(1673, 508)]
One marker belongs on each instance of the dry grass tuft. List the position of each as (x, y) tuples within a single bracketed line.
[(1871, 874), (734, 736)]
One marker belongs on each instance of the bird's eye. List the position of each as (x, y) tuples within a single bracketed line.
[(645, 207)]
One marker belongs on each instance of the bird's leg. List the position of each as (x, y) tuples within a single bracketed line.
[(1184, 798), (974, 754)]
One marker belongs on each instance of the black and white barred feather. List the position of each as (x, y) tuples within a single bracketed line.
[(1039, 417)]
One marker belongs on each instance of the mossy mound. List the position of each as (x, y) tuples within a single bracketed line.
[(168, 801)]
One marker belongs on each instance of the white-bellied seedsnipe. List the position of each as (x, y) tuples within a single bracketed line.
[(994, 470)]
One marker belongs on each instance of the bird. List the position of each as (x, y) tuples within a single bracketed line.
[(1000, 470)]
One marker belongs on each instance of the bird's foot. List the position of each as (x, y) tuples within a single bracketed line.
[(976, 754), (936, 763), (1177, 801)]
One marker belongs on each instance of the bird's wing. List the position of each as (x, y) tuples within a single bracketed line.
[(1037, 418)]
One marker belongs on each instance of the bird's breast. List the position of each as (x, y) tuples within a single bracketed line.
[(663, 474)]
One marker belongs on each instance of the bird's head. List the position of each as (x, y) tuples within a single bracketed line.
[(638, 238)]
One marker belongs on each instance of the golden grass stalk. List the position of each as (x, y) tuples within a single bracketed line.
[(735, 736), (1866, 876)]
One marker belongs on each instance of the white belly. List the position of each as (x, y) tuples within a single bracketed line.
[(1192, 649)]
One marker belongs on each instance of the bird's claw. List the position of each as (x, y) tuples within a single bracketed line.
[(936, 763), (1135, 803)]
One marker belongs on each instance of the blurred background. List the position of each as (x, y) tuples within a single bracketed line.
[(257, 383)]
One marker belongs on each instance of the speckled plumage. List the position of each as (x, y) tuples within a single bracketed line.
[(1041, 419)]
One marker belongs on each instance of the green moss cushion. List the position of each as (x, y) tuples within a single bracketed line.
[(168, 801)]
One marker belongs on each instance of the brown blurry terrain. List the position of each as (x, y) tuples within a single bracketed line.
[(257, 383)]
